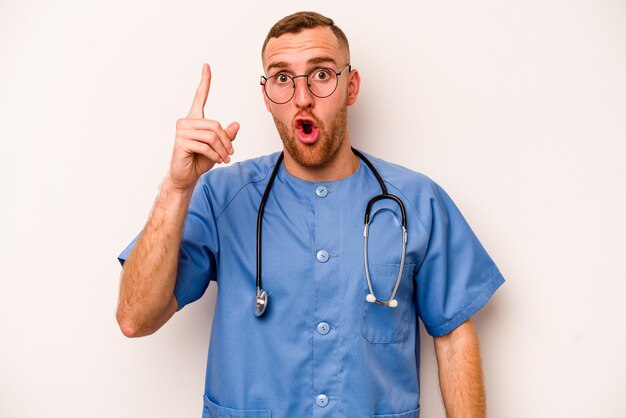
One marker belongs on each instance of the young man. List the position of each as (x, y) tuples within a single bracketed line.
[(330, 326)]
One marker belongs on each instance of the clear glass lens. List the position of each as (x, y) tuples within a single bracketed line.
[(279, 88), (321, 82)]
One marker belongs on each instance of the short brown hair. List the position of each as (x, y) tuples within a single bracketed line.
[(300, 21)]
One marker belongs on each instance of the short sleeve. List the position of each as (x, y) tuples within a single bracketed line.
[(456, 277), (124, 254), (198, 250)]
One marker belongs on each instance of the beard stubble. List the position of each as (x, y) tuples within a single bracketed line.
[(324, 149)]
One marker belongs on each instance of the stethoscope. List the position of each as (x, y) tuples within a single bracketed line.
[(260, 305)]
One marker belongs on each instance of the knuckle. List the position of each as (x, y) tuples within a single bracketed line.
[(182, 143), (214, 125), (213, 156), (212, 138), (180, 135)]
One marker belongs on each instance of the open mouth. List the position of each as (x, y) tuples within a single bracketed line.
[(307, 130)]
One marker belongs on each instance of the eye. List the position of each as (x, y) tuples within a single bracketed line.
[(321, 74), (282, 78)]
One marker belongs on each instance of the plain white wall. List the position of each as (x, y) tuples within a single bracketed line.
[(517, 108)]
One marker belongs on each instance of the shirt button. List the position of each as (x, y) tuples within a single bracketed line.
[(321, 400), (323, 328), (321, 191), (322, 256)]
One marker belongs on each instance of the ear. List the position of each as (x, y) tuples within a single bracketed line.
[(266, 100), (353, 86)]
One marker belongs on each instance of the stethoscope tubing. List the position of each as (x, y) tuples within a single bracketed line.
[(371, 297), (262, 295)]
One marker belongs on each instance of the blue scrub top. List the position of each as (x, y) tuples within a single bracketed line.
[(321, 349)]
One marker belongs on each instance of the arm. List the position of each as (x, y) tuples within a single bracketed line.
[(460, 374), (147, 300)]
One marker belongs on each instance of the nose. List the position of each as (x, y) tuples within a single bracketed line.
[(303, 98)]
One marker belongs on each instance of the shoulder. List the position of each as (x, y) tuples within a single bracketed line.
[(221, 185), (421, 195), (242, 172), (404, 180)]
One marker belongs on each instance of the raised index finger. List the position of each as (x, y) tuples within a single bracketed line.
[(197, 108)]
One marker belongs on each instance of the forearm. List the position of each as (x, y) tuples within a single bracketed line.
[(149, 275), (460, 374)]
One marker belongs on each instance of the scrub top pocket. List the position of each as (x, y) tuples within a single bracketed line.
[(213, 410), (383, 324), (411, 414)]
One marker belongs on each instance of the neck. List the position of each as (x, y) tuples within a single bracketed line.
[(343, 164)]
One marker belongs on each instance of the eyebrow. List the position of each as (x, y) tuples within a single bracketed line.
[(321, 60), (315, 61)]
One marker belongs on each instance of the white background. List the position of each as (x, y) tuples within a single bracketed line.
[(517, 108)]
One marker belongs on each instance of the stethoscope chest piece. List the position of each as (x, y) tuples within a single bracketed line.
[(261, 303)]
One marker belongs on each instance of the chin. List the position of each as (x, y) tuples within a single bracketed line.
[(320, 153), (316, 155)]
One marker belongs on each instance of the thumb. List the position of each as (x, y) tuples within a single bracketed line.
[(231, 130)]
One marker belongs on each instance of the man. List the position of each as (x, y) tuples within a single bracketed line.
[(332, 328)]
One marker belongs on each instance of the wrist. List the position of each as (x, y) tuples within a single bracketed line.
[(173, 201), (172, 188)]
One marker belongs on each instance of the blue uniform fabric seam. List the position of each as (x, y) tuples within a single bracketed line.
[(479, 301), (417, 216), (243, 186), (399, 191), (406, 198), (183, 299), (419, 263), (209, 202)]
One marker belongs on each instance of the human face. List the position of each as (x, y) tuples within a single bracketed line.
[(297, 54)]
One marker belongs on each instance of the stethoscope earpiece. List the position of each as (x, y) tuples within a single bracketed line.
[(393, 303)]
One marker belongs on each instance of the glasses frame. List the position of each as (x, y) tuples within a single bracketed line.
[(264, 80)]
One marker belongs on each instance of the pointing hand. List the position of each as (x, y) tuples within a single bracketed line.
[(200, 143)]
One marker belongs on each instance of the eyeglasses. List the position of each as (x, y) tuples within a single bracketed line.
[(322, 82)]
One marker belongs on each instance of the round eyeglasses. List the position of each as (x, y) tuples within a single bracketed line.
[(322, 82)]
